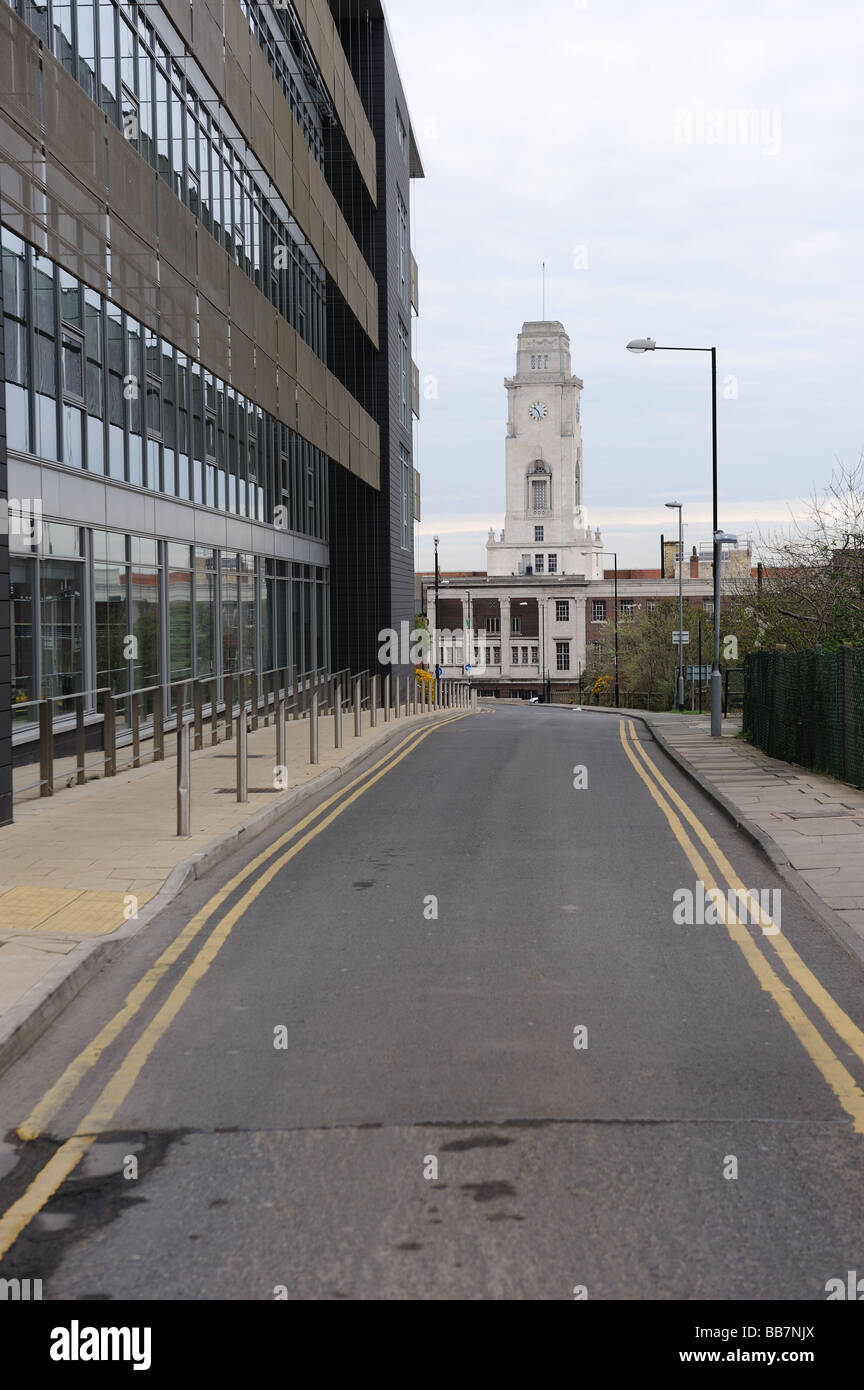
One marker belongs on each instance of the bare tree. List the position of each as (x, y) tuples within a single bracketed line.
[(810, 592)]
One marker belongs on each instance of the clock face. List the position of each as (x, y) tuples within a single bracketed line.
[(539, 410)]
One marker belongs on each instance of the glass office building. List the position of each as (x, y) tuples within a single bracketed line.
[(207, 289)]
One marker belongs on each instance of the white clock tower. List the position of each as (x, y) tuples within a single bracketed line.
[(546, 530)]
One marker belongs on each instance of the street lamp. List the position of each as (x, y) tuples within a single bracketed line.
[(435, 630), (721, 538), (614, 554), (680, 700), (648, 345)]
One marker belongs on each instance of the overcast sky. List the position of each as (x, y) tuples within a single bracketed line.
[(601, 137)]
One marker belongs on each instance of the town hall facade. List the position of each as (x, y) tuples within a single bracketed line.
[(526, 625)]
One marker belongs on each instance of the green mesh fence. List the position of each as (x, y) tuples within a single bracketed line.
[(808, 708)]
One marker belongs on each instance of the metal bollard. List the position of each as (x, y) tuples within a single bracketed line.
[(386, 700), (373, 702), (313, 729), (184, 778), (46, 747), (337, 714), (198, 702), (80, 750), (109, 737), (358, 708), (242, 755), (280, 732), (136, 732), (228, 687), (158, 724)]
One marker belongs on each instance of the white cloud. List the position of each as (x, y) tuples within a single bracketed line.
[(555, 130)]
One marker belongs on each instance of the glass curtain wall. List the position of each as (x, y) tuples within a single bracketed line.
[(218, 613), (88, 386)]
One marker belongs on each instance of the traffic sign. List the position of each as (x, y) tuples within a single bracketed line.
[(698, 673), (680, 639)]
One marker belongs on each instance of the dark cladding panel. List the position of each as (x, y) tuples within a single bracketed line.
[(5, 613)]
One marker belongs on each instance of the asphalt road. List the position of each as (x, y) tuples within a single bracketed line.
[(361, 1099)]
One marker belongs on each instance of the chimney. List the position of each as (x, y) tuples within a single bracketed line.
[(694, 565)]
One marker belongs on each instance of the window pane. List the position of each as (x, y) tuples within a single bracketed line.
[(205, 612), (116, 403), (230, 615), (144, 590), (16, 347), (248, 612), (38, 18), (61, 589), (73, 366), (71, 303), (14, 284), (111, 585), (133, 393), (17, 417), (163, 126), (73, 426), (145, 104), (62, 13), (107, 67), (22, 575), (180, 621)]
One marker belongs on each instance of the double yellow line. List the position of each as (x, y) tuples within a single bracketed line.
[(839, 1079), (57, 1170)]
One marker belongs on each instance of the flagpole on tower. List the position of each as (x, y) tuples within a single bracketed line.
[(543, 310)]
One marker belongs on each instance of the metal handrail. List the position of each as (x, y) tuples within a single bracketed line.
[(269, 688), (46, 739)]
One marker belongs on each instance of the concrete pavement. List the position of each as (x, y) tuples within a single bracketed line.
[(82, 871)]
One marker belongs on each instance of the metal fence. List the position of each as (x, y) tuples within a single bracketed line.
[(808, 708), (134, 727), (135, 724)]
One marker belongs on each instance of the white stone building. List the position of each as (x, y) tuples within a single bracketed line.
[(523, 626)]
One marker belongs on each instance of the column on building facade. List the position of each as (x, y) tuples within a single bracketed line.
[(506, 669), (581, 653)]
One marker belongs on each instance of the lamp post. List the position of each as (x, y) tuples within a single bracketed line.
[(680, 689), (435, 630), (544, 664), (648, 345), (614, 554)]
